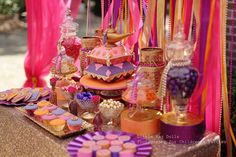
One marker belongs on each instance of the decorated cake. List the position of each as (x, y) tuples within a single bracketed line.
[(110, 61)]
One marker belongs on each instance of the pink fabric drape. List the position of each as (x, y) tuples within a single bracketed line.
[(44, 18)]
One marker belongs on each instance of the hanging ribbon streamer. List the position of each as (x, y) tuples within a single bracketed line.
[(121, 15), (187, 17), (161, 23), (178, 13), (154, 28), (88, 17), (172, 15), (115, 12), (147, 25), (107, 17), (137, 23)]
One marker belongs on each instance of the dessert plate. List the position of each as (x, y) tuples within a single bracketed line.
[(61, 134), (143, 146)]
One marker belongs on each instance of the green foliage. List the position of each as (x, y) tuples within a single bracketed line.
[(9, 7)]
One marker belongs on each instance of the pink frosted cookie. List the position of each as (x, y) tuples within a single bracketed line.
[(49, 107), (66, 116), (88, 144), (98, 137), (129, 146), (116, 143), (48, 117), (103, 153), (111, 137), (84, 152), (126, 153), (105, 144), (124, 138)]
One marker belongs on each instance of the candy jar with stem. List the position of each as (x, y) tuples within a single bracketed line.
[(179, 76), (140, 92), (110, 110)]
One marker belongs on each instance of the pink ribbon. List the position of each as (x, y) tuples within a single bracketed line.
[(137, 22)]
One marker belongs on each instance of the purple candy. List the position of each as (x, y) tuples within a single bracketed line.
[(84, 96), (181, 81)]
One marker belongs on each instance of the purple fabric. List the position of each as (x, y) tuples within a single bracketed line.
[(115, 12), (205, 12), (204, 22), (182, 134), (127, 66), (144, 148)]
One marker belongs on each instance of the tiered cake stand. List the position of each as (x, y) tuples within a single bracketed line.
[(106, 89)]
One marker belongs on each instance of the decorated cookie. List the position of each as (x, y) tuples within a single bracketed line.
[(30, 108), (58, 111), (74, 123)]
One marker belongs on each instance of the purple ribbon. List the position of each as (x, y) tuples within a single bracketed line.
[(204, 22), (115, 12)]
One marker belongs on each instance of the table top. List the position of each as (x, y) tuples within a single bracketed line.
[(19, 136)]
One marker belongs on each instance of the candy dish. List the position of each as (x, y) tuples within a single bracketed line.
[(110, 110), (143, 146), (30, 108), (85, 101)]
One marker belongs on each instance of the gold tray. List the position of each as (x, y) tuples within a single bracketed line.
[(61, 134)]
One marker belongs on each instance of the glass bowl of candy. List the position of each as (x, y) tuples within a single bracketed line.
[(85, 102), (110, 110)]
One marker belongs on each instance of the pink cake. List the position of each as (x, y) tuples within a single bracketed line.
[(111, 137), (103, 143), (116, 143), (130, 146), (48, 117), (126, 153), (88, 144), (50, 107), (109, 55), (98, 137), (84, 152), (124, 138), (66, 116), (103, 153)]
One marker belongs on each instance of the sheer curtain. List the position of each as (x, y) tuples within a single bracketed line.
[(44, 18)]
